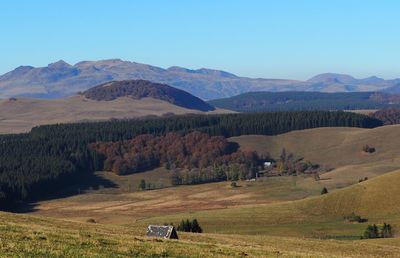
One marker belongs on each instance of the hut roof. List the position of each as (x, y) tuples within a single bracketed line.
[(167, 232)]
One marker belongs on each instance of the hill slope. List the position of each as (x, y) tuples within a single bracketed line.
[(43, 237), (61, 79), (320, 216), (339, 148), (119, 100), (138, 89), (294, 101)]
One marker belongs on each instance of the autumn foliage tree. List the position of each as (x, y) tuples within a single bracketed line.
[(190, 151)]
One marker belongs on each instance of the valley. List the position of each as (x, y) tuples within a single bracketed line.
[(107, 212), (285, 216)]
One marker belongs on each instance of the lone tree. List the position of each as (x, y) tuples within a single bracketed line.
[(142, 185), (196, 227), (324, 190), (386, 231), (371, 232)]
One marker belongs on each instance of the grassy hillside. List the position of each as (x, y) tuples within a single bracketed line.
[(22, 114), (318, 217), (29, 236), (124, 203), (336, 148)]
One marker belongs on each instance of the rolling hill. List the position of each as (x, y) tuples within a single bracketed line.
[(335, 148), (316, 217), (48, 237), (61, 79), (115, 100), (138, 89), (295, 101)]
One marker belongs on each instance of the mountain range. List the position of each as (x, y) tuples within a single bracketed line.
[(61, 79)]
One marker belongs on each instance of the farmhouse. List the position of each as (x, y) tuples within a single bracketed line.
[(267, 164), (167, 232)]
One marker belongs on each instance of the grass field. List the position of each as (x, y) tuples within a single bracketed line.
[(124, 204), (316, 217), (24, 113), (29, 236), (339, 148)]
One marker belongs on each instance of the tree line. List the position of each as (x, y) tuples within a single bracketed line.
[(296, 101)]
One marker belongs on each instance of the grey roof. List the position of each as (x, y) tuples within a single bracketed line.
[(168, 232)]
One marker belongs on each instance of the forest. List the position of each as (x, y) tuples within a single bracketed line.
[(297, 101), (52, 157), (173, 150), (389, 116)]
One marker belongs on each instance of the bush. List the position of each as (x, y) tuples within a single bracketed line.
[(366, 148), (386, 231), (142, 185), (91, 220), (233, 184), (373, 231), (355, 218), (190, 226), (324, 190)]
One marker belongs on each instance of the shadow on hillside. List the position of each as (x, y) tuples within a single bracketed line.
[(82, 184)]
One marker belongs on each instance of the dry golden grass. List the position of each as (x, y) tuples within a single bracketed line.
[(30, 236), (24, 113), (316, 217), (340, 148), (120, 206)]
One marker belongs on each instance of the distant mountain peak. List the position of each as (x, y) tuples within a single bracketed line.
[(332, 78), (372, 79), (180, 69), (215, 72), (59, 64)]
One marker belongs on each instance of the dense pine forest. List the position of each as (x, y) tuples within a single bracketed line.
[(52, 157), (298, 101)]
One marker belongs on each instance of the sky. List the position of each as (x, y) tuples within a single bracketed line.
[(293, 39)]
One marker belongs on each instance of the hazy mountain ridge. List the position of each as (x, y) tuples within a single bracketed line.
[(61, 79)]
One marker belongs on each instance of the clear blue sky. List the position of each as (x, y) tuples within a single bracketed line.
[(272, 39)]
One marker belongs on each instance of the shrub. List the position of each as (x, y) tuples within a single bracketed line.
[(373, 231), (142, 184), (366, 148), (324, 190), (355, 218), (386, 231), (91, 220), (233, 184)]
